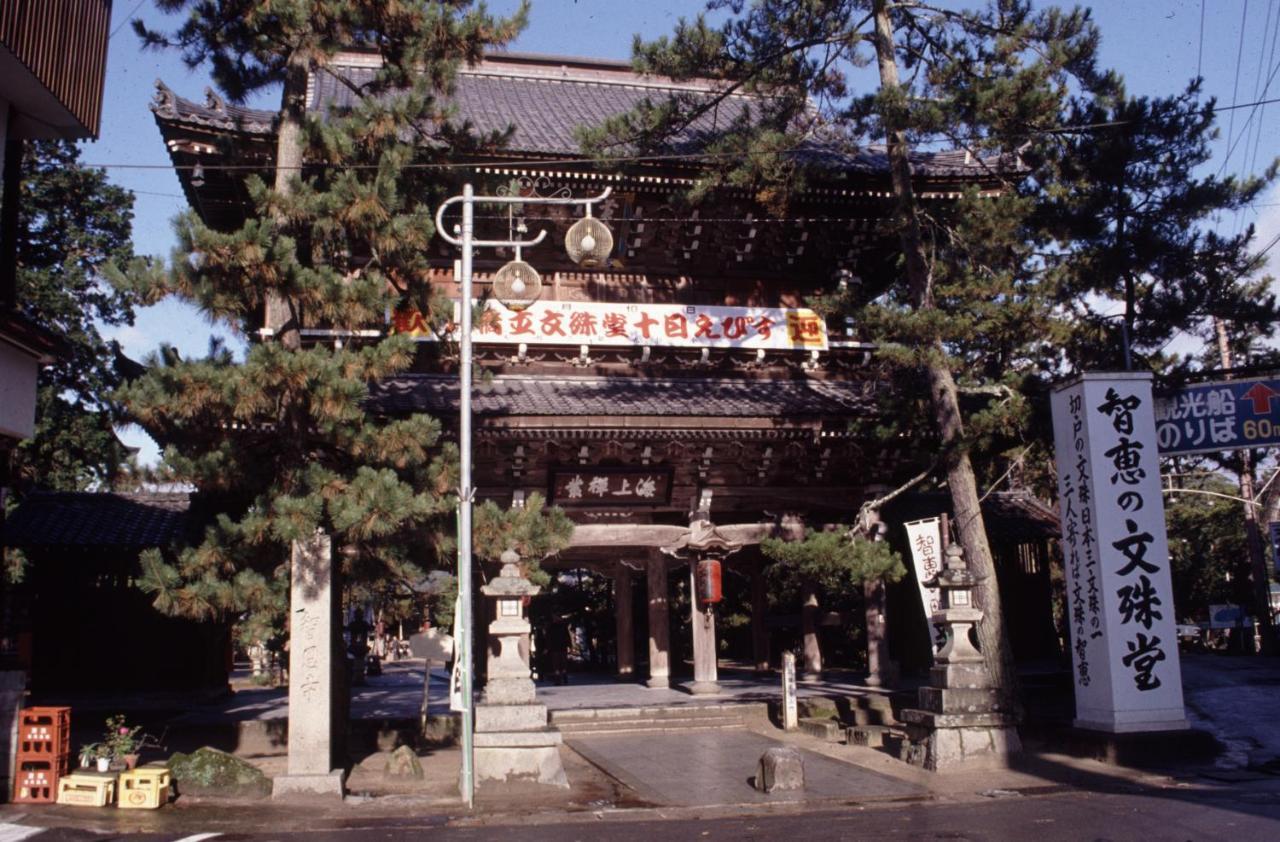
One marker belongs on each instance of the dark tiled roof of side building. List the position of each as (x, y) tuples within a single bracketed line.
[(85, 519), (546, 108), (605, 396), (1010, 515)]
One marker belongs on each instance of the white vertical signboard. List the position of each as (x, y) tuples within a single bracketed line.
[(1124, 649), (925, 538), (790, 717)]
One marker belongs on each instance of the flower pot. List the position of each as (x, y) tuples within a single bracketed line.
[(104, 764), (130, 761)]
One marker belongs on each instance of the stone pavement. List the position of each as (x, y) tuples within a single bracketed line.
[(714, 768), (689, 771), (1234, 698)]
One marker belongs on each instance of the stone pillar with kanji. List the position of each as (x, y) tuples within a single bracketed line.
[(312, 767)]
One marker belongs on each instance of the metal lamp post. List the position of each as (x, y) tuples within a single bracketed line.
[(467, 242)]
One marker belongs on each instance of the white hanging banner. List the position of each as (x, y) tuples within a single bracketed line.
[(633, 325), (925, 538), (1124, 646), (456, 701)]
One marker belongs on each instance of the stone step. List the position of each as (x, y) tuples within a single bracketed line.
[(850, 710), (647, 727), (829, 730), (873, 717), (656, 718), (871, 736)]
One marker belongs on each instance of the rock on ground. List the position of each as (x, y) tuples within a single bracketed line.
[(780, 768), (208, 771)]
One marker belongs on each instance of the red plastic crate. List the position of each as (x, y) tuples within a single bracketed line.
[(44, 732), (36, 780)]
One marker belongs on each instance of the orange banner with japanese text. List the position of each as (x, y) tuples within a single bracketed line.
[(672, 325)]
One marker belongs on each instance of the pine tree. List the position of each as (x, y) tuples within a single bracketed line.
[(828, 562), (72, 224), (961, 312), (281, 444), (1132, 216)]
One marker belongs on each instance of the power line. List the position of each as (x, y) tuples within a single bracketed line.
[(122, 23), (1235, 88), (689, 156), (1262, 65), (1275, 36), (1269, 246), (1200, 50), (1244, 132)]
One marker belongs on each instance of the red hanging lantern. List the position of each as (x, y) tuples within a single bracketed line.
[(708, 578)]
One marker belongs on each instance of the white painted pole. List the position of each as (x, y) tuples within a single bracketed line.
[(464, 498), (789, 712), (466, 493)]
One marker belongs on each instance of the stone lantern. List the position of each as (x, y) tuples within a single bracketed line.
[(513, 741), (959, 724)]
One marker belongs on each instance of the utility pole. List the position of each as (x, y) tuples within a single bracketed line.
[(1253, 533), (466, 241)]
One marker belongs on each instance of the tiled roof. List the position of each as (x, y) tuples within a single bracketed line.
[(37, 341), (605, 396), (545, 109), (88, 519), (1013, 515)]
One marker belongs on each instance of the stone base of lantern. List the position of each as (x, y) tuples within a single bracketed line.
[(958, 742), (957, 726), (513, 756), (512, 740)]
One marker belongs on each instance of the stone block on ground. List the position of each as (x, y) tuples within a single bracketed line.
[(870, 736), (210, 772), (824, 729), (520, 764), (511, 717), (780, 768), (441, 730), (403, 763), (962, 749)]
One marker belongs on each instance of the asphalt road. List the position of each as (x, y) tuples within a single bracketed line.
[(1232, 814)]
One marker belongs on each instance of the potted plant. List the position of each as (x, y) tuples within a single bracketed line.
[(89, 754), (122, 743)]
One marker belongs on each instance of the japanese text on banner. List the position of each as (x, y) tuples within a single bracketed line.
[(593, 323)]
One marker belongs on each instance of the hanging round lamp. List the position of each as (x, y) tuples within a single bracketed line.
[(589, 242), (517, 284)]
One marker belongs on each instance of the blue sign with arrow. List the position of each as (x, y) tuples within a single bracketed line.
[(1224, 415)]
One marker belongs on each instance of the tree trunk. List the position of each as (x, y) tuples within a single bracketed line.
[(972, 533), (282, 314), (809, 630)]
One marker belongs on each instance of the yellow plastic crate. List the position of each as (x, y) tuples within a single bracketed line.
[(145, 788), (87, 789)]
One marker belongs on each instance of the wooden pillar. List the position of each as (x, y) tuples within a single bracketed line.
[(659, 623), (809, 627), (878, 667), (626, 642), (759, 610), (703, 624)]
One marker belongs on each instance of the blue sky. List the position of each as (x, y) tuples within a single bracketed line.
[(1156, 44)]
